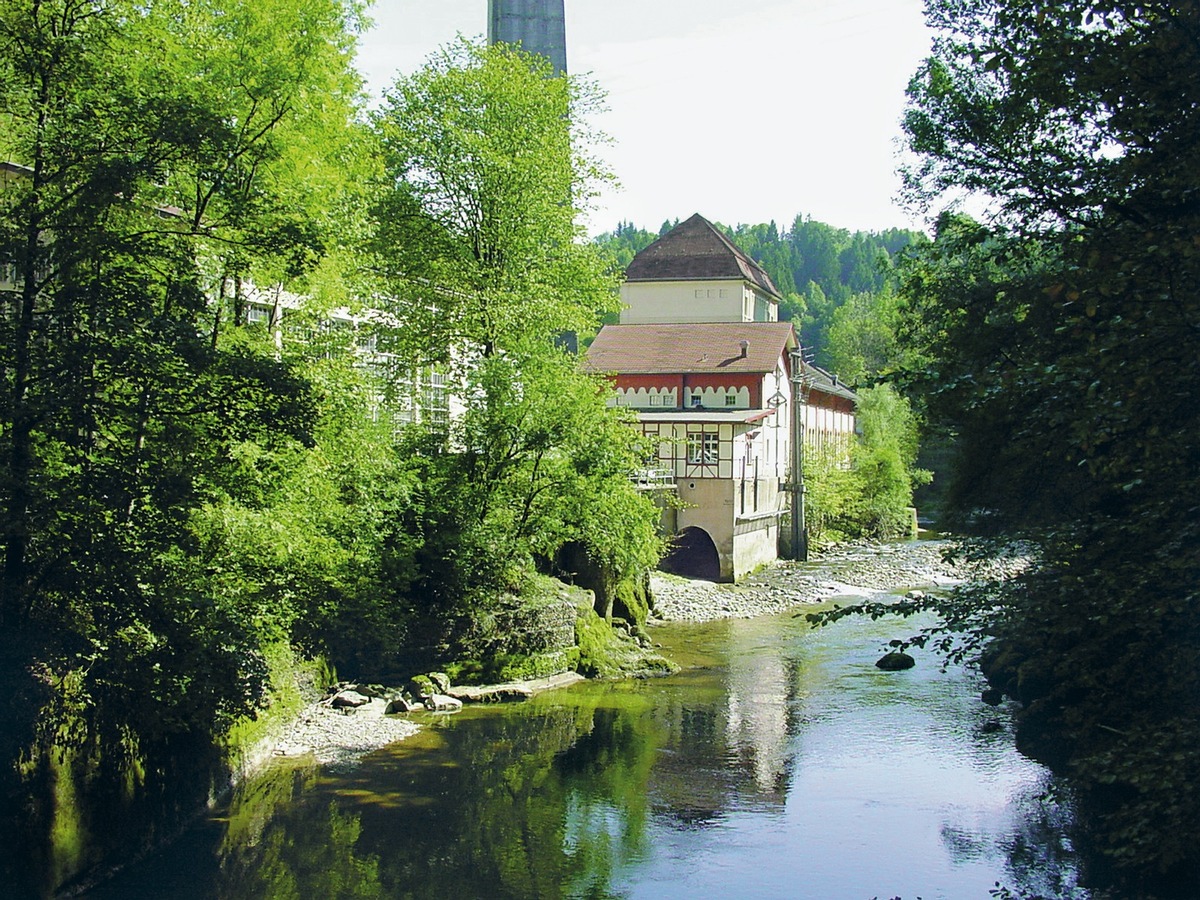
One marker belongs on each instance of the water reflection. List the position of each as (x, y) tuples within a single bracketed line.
[(779, 763)]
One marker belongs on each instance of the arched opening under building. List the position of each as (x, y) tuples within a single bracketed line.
[(693, 555)]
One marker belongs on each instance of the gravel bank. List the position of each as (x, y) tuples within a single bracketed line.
[(339, 739), (859, 569)]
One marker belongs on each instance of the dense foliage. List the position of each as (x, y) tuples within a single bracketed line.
[(1063, 341), (127, 409), (480, 254), (200, 469), (865, 489)]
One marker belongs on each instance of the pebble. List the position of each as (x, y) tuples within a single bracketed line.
[(859, 569), (339, 739)]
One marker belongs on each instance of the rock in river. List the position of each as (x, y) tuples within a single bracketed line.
[(895, 661)]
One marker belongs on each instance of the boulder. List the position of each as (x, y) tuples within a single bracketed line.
[(895, 662), (992, 696), (494, 693), (349, 699), (442, 703), (398, 705), (421, 687), (372, 690), (441, 682)]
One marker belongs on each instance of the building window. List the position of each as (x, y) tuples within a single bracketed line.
[(258, 315), (655, 400), (703, 449), (731, 399)]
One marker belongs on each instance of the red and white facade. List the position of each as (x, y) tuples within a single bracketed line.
[(703, 360)]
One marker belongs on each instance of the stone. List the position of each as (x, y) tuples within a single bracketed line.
[(442, 703), (441, 681), (991, 727), (992, 696), (895, 662), (495, 693), (349, 699), (398, 705), (421, 687)]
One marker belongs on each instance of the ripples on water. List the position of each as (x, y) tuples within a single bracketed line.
[(779, 763)]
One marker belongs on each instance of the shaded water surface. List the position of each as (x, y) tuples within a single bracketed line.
[(778, 763)]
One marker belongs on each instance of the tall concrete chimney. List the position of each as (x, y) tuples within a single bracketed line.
[(539, 26)]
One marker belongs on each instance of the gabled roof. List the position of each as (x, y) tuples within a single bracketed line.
[(679, 348), (817, 379), (696, 250)]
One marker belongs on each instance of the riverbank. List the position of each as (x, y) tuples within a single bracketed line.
[(848, 569), (340, 738)]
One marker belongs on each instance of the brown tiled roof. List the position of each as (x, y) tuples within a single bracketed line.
[(678, 348), (696, 250), (817, 379)]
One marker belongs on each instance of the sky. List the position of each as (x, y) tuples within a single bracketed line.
[(744, 111)]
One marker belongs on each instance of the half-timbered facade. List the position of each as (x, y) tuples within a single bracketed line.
[(701, 357)]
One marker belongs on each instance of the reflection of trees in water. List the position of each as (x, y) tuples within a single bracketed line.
[(1040, 860), (283, 840), (543, 804)]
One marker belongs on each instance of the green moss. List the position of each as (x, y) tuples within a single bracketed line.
[(596, 644), (421, 686), (69, 837), (465, 671), (631, 602), (293, 683), (605, 652)]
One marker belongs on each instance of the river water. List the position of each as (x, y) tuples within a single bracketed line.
[(779, 763)]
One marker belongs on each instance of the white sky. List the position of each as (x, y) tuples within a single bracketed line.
[(741, 110)]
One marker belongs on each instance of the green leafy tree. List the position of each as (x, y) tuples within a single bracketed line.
[(863, 342), (543, 462), (865, 490), (1065, 353), (488, 164), (135, 167)]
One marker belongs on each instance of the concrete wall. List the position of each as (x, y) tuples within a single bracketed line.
[(709, 504), (755, 543), (743, 542)]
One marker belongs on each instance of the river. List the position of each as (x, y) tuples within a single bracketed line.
[(778, 763)]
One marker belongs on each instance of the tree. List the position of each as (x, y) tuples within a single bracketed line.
[(488, 166), (136, 161), (865, 490), (862, 341), (1066, 349)]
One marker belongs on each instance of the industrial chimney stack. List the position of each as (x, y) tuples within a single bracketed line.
[(539, 26)]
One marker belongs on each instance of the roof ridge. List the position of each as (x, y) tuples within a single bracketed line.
[(668, 258)]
